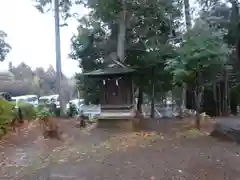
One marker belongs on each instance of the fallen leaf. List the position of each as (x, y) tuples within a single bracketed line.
[(153, 178), (180, 171)]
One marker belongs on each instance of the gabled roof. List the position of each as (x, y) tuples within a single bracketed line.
[(110, 71), (114, 67)]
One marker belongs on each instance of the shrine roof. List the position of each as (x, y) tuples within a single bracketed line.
[(110, 71)]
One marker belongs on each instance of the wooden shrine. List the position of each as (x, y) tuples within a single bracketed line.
[(117, 98)]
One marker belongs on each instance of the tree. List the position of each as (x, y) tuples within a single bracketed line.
[(146, 43), (188, 27), (219, 14), (202, 56), (21, 80), (10, 66), (88, 47), (4, 46), (135, 32)]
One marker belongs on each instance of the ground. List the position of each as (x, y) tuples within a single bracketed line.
[(163, 150)]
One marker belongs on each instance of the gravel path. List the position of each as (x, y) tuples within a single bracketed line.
[(173, 151)]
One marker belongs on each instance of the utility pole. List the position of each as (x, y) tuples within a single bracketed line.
[(58, 53)]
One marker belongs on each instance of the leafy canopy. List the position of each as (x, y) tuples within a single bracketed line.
[(203, 53), (4, 46)]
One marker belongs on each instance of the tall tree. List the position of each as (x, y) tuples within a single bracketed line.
[(4, 46), (188, 24), (202, 56), (86, 48), (225, 17), (146, 43), (137, 32)]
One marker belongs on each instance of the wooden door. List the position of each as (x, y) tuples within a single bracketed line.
[(112, 92)]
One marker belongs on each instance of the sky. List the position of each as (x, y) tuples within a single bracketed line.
[(31, 35)]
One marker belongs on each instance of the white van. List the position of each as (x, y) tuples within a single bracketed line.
[(31, 99), (50, 99), (77, 102)]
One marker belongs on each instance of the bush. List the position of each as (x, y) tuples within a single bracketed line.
[(51, 107), (48, 125), (6, 115), (43, 112), (28, 111), (72, 110), (9, 113)]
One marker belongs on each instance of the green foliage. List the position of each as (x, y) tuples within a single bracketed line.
[(22, 80), (92, 118), (203, 54), (51, 107), (6, 115), (90, 89), (72, 111), (43, 112), (148, 29), (4, 46), (28, 110), (85, 49)]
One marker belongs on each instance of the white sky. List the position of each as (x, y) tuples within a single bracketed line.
[(31, 36)]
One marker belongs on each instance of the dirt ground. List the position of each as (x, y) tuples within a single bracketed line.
[(161, 150)]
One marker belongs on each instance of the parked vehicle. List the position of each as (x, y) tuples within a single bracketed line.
[(50, 99), (78, 103), (31, 99)]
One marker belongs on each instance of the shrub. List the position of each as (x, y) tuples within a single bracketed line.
[(28, 111), (43, 112), (9, 113), (72, 110), (6, 115), (93, 118), (48, 125), (51, 107)]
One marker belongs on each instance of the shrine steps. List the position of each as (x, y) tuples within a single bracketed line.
[(117, 114)]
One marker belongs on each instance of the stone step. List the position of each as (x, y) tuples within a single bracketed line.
[(117, 111), (116, 115)]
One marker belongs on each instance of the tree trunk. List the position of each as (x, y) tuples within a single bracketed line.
[(188, 26), (121, 33), (187, 14), (153, 94), (226, 93), (215, 97), (234, 102), (198, 93), (220, 99), (140, 100), (183, 100)]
